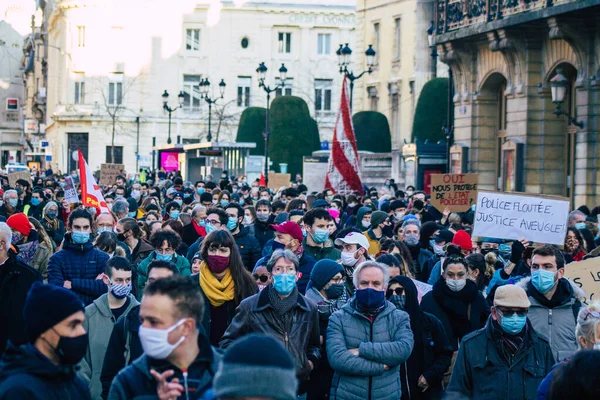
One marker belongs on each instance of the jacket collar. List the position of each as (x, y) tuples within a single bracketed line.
[(101, 304), (263, 301), (349, 308)]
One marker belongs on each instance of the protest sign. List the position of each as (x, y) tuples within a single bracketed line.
[(458, 192), (278, 180), (586, 275), (541, 219), (70, 191), (109, 173), (13, 177)]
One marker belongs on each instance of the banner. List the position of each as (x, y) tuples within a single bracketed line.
[(278, 180), (455, 191), (541, 219), (586, 275), (91, 196), (109, 173), (13, 177), (70, 191)]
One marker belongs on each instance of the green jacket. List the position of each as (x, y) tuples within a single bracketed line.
[(183, 266), (328, 251), (99, 322)]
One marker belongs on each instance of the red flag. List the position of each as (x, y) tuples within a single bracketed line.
[(343, 172), (262, 181), (91, 196)]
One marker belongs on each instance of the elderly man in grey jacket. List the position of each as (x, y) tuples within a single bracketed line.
[(368, 340)]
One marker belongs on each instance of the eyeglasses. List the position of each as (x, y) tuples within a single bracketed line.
[(213, 222), (521, 312), (594, 314), (399, 291), (262, 278)]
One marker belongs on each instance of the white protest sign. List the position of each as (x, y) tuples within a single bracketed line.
[(70, 191), (540, 219)]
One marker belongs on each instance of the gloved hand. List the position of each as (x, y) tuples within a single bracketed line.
[(517, 252)]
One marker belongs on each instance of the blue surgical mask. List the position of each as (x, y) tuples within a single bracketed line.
[(209, 228), (52, 214), (187, 195), (80, 237), (35, 201), (231, 223), (180, 202), (200, 190), (132, 214), (13, 202), (542, 280), (224, 203), (284, 284), (304, 233), (580, 225), (174, 214), (104, 229), (321, 235), (164, 257), (242, 202), (201, 222), (513, 324)]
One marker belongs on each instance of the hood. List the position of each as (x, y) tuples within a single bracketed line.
[(360, 214), (27, 359), (145, 246), (82, 248), (578, 292), (101, 303)]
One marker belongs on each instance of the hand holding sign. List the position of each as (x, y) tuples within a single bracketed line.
[(453, 192)]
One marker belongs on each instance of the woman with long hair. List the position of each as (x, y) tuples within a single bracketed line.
[(224, 282), (574, 246), (481, 269)]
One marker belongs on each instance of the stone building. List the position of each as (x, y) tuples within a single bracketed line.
[(504, 55)]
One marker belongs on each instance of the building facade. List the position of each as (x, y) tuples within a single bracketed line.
[(504, 56), (109, 63)]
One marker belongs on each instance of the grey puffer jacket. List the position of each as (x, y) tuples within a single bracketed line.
[(556, 324), (388, 341)]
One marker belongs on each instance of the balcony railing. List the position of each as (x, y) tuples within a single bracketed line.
[(455, 14)]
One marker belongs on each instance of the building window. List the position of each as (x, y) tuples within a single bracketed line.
[(79, 92), (191, 93), (395, 115), (323, 94), (81, 36), (373, 97), (285, 42), (192, 39), (286, 90), (324, 44), (376, 41), (118, 155), (115, 89), (397, 37), (245, 42), (243, 93)]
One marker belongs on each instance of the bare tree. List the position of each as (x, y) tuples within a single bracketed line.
[(225, 116)]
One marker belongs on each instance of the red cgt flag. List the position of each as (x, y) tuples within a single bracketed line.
[(91, 196), (343, 172)]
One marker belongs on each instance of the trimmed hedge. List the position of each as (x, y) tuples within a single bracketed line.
[(372, 132), (431, 111), (251, 128)]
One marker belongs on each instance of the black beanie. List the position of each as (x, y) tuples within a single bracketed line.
[(46, 306), (256, 366), (323, 271), (205, 197)]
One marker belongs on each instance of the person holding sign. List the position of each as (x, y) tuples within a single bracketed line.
[(554, 300), (573, 246)]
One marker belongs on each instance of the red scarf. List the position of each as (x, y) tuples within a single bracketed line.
[(200, 230)]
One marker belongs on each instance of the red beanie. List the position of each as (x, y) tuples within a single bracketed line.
[(463, 239), (20, 222)]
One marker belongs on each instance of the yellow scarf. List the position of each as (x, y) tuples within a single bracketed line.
[(217, 291)]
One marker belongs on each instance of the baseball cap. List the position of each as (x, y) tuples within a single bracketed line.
[(291, 228), (353, 238)]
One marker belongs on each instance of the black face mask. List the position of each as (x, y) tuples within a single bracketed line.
[(486, 251), (71, 349), (335, 290)]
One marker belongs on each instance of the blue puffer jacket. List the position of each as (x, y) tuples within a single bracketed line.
[(388, 341), (80, 264)]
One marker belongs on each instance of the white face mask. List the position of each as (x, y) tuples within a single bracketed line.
[(348, 259), (155, 342), (248, 219), (456, 285), (366, 224)]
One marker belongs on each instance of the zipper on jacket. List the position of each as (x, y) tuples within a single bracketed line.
[(185, 384), (550, 326)]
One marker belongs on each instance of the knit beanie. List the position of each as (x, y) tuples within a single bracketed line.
[(205, 197), (256, 366), (323, 271), (46, 306), (19, 222), (377, 218), (463, 239)]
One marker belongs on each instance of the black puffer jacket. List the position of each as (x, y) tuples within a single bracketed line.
[(249, 247), (262, 231), (256, 315)]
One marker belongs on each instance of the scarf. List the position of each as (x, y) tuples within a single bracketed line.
[(282, 306), (563, 294), (217, 291), (299, 251), (509, 345), (200, 231), (27, 250), (456, 305), (51, 223)]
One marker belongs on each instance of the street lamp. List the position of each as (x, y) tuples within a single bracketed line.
[(344, 54), (261, 71), (204, 88), (165, 99), (559, 86), (431, 31)]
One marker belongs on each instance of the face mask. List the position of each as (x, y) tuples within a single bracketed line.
[(348, 259), (155, 342), (217, 264), (120, 236), (118, 196), (180, 202), (231, 223), (35, 201), (284, 284), (187, 195), (164, 257), (52, 214), (456, 285), (13, 202), (321, 235), (242, 202), (105, 229), (80, 237), (16, 237), (209, 228), (304, 232), (370, 299), (543, 280), (489, 250), (71, 350), (62, 184), (174, 214), (261, 287), (411, 239), (366, 224), (223, 176), (388, 184), (120, 291), (132, 214), (513, 324), (438, 250), (334, 291), (201, 222), (580, 225), (398, 301), (248, 219), (265, 198), (200, 190), (596, 346), (262, 217), (409, 193), (224, 203), (277, 246)]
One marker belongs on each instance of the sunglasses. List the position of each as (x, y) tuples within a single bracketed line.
[(399, 291), (508, 313), (262, 278)]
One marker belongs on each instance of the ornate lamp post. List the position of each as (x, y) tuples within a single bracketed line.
[(204, 89), (559, 86), (344, 54), (165, 99)]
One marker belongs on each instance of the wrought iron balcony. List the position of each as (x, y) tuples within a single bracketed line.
[(455, 14)]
